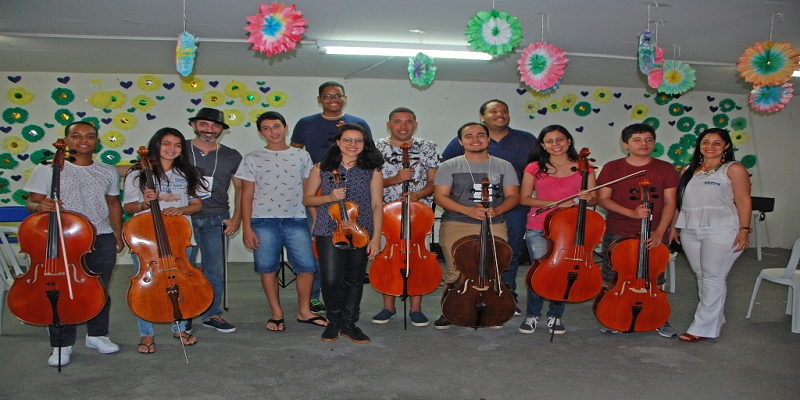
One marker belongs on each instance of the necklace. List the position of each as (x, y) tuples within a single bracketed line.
[(707, 171), (489, 174), (336, 118)]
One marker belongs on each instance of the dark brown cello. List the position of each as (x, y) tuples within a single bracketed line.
[(635, 302), (567, 272), (479, 298), (405, 267), (348, 234), (56, 289), (167, 288)]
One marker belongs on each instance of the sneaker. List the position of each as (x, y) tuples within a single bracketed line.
[(317, 307), (667, 331), (188, 328), (529, 325), (517, 311), (417, 319), (384, 316), (219, 324), (607, 330), (355, 334), (442, 323), (555, 325), (331, 332), (102, 343), (65, 353)]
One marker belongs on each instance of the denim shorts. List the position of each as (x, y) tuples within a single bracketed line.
[(275, 233)]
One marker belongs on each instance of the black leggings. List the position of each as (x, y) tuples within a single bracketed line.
[(342, 274)]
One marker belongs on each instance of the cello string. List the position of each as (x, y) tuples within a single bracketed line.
[(64, 250), (494, 253)]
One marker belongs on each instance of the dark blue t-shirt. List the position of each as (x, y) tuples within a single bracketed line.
[(316, 133)]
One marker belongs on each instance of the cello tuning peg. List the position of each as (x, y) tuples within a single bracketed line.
[(634, 191), (655, 196), (652, 189)]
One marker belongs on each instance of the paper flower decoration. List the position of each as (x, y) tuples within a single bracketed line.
[(647, 53), (652, 121), (235, 89), (62, 96), (530, 106), (185, 52), (601, 95), (20, 197), (110, 157), (15, 115), (700, 128), (541, 65), (41, 155), (148, 83), (676, 109), (233, 117), (768, 63), (727, 105), (253, 115), (112, 139), (277, 98), (749, 161), (738, 137), (117, 99), (493, 32), (421, 71), (639, 112), (569, 100), (275, 28), (250, 98), (32, 133), (662, 98), (678, 77), (655, 78), (192, 84), (142, 102), (658, 150), (14, 144), (213, 98), (554, 105), (124, 121), (7, 161), (4, 186), (100, 99), (685, 124), (64, 116), (583, 109), (769, 99), (739, 123), (19, 96), (721, 120), (92, 120)]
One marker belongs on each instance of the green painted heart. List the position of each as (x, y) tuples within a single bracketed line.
[(159, 97), (132, 109), (230, 103), (190, 109), (5, 200), (48, 125), (259, 83), (107, 110)]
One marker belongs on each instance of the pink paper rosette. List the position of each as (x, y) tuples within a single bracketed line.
[(541, 65), (276, 28), (769, 99)]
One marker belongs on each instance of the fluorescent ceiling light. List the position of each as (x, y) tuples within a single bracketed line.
[(399, 50)]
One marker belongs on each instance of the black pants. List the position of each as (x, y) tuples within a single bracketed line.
[(342, 273)]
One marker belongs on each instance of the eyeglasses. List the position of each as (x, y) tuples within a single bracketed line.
[(351, 140), (332, 96)]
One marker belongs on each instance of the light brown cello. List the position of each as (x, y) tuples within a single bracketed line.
[(56, 289), (167, 288)]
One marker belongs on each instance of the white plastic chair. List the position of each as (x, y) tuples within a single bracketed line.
[(789, 276), (10, 266)]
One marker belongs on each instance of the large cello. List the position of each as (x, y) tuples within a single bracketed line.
[(167, 288), (479, 298), (56, 289), (635, 302), (567, 272), (405, 267)]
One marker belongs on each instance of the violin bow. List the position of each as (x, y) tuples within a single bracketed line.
[(556, 203)]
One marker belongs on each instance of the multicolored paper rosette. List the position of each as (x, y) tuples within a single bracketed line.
[(768, 63), (769, 99), (679, 77), (647, 53), (421, 71), (493, 32), (542, 65), (275, 28), (185, 52)]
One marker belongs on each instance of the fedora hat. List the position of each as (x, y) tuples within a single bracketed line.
[(210, 114)]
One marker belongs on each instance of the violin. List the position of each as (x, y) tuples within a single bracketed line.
[(56, 289), (167, 287), (635, 302), (567, 271), (405, 267), (479, 298), (348, 234)]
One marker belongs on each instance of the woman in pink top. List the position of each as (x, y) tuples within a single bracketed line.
[(552, 175)]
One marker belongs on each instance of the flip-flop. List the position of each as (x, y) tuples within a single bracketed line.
[(278, 323), (688, 337), (149, 348), (312, 321), (186, 339)]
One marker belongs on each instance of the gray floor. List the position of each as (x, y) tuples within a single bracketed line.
[(757, 358)]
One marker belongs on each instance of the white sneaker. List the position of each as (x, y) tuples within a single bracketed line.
[(102, 343), (65, 353)]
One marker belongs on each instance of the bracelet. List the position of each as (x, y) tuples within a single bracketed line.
[(141, 205), (747, 229), (37, 207)]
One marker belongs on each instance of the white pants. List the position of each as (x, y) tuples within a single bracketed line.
[(711, 256)]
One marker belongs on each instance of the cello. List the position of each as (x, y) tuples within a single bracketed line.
[(56, 289), (635, 302), (479, 298), (167, 288), (348, 235), (405, 267), (567, 272)]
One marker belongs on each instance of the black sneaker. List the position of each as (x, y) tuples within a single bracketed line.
[(317, 307), (442, 323), (331, 332), (355, 334), (216, 322)]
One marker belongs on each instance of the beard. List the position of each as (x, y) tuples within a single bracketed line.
[(202, 136)]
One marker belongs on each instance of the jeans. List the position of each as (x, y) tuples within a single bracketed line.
[(146, 327), (342, 274), (515, 222), (537, 246), (315, 288), (208, 235), (276, 233)]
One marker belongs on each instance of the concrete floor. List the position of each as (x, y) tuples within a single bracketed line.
[(757, 358)]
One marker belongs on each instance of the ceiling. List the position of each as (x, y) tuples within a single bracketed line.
[(600, 37)]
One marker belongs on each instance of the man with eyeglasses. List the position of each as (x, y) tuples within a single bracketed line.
[(315, 133)]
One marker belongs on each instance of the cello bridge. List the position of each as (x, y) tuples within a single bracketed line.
[(480, 288)]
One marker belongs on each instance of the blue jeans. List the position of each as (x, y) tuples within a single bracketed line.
[(317, 280), (515, 223), (208, 235), (146, 327), (276, 233), (537, 246)]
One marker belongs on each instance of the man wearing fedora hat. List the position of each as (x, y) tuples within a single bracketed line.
[(218, 164)]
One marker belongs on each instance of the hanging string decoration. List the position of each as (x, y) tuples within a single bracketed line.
[(768, 63), (185, 52), (647, 53), (421, 71), (541, 66), (493, 32), (275, 28), (770, 98), (679, 77)]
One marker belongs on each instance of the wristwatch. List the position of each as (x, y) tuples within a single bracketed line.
[(747, 229)]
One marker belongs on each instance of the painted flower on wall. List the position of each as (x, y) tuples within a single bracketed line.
[(20, 197), (541, 65), (250, 98), (277, 98), (700, 128), (142, 102), (720, 120), (739, 123), (7, 161), (92, 120), (275, 28), (4, 186), (41, 155), (530, 106), (118, 99), (64, 116), (124, 121), (568, 101), (768, 63), (112, 139), (738, 137), (100, 99), (662, 98), (110, 157), (235, 89), (676, 109), (192, 84), (15, 144), (253, 115), (233, 117), (727, 105), (583, 109), (15, 115), (639, 112), (685, 124), (749, 161), (62, 96), (213, 98), (32, 133), (148, 83), (601, 95), (20, 96), (493, 32), (652, 121)]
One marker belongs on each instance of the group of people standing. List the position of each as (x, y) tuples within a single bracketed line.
[(283, 193)]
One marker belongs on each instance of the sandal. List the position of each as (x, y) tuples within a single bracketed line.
[(688, 337), (187, 339), (279, 325), (145, 348)]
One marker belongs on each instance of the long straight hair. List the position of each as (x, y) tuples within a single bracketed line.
[(539, 154), (697, 157), (180, 164)]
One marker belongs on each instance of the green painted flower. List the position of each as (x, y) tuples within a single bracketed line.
[(685, 124), (32, 133), (583, 109), (4, 183), (700, 128), (64, 116), (727, 105), (658, 150), (15, 115), (110, 157), (62, 96), (675, 151), (662, 98), (20, 197), (749, 161), (652, 121), (676, 109), (739, 123), (19, 96), (7, 161), (721, 120), (41, 155), (688, 141)]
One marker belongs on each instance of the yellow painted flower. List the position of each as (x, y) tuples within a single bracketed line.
[(539, 95), (639, 112), (569, 100), (553, 106), (118, 99), (277, 98), (142, 102), (601, 95), (235, 89), (530, 106), (149, 83), (112, 139), (192, 84), (124, 121), (100, 99), (250, 98), (19, 95), (738, 137), (233, 117), (15, 144), (213, 98), (253, 115), (27, 174)]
